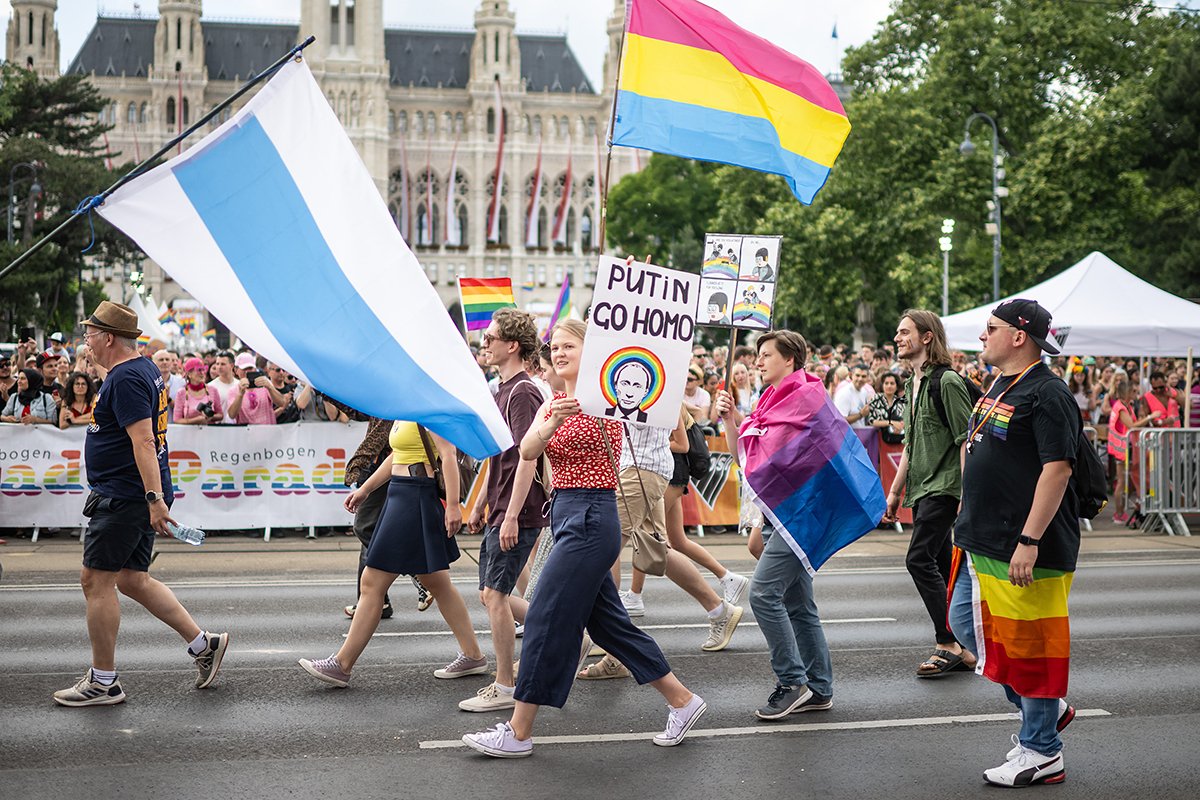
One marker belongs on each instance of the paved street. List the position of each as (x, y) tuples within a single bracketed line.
[(267, 730)]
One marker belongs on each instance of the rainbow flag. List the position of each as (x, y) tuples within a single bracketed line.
[(143, 340), (562, 307), (482, 297), (211, 333), (695, 85), (165, 317), (1025, 631), (807, 470)]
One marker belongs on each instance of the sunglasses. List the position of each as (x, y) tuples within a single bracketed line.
[(993, 328), (487, 338)]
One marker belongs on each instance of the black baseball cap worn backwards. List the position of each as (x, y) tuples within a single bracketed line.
[(1028, 316)]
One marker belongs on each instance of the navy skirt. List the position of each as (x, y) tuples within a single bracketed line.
[(410, 537)]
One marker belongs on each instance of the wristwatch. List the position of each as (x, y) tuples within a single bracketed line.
[(1023, 539), (154, 497)]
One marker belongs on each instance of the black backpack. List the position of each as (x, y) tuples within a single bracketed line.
[(698, 456), (1088, 479), (935, 393)]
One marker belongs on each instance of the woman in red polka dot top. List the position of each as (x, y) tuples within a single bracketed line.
[(575, 589)]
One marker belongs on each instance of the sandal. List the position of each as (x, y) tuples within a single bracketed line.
[(605, 668), (943, 661)]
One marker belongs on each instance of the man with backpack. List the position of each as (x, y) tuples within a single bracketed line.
[(1025, 482), (929, 477)]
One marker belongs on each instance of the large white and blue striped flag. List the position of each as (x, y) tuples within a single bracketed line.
[(274, 224)]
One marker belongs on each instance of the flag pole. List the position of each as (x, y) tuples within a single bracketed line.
[(612, 120), (733, 332), (90, 203)]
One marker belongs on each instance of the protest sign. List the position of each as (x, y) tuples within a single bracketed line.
[(738, 280), (639, 343)]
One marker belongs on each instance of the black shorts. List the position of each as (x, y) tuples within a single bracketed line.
[(681, 476), (118, 534), (498, 569)]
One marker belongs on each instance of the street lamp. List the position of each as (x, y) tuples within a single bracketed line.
[(947, 244), (35, 191), (967, 148)]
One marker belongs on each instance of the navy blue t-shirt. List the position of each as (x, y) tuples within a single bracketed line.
[(134, 390)]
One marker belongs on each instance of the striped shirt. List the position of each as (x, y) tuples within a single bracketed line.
[(651, 449)]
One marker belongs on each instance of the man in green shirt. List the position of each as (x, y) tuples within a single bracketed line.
[(930, 475)]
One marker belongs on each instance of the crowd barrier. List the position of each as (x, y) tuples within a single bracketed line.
[(274, 476), (1168, 462)]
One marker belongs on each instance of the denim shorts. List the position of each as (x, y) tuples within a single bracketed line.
[(498, 569), (118, 534)]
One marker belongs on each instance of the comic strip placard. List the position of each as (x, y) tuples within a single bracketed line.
[(737, 280)]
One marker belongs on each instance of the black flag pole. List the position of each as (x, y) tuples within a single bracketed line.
[(90, 203)]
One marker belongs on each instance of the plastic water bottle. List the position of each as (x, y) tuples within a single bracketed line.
[(184, 533)]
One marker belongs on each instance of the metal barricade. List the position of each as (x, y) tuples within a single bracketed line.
[(1169, 466)]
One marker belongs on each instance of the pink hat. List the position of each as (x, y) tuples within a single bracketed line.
[(244, 361), (193, 363)]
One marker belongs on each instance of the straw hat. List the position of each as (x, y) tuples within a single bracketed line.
[(114, 318)]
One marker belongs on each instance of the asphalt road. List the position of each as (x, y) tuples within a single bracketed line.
[(267, 730)]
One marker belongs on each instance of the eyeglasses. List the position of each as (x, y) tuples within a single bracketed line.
[(487, 338), (90, 334)]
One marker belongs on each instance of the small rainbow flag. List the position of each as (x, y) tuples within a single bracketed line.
[(482, 297), (562, 308), (695, 85), (211, 333), (1026, 631), (143, 340), (165, 317)]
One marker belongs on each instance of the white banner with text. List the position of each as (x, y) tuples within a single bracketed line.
[(224, 476)]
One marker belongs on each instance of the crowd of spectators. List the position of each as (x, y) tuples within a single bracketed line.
[(58, 385)]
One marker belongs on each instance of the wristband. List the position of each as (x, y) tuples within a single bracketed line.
[(1023, 539)]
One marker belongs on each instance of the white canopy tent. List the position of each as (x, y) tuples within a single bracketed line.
[(1099, 309)]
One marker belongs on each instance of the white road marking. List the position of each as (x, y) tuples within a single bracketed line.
[(766, 729), (473, 581), (746, 624)]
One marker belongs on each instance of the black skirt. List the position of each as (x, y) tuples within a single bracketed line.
[(410, 537)]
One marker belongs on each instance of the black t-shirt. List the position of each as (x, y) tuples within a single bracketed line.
[(1035, 423), (134, 390), (519, 400)]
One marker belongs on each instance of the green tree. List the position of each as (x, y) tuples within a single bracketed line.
[(663, 211), (54, 125)]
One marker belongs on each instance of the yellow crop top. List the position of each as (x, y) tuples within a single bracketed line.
[(406, 444)]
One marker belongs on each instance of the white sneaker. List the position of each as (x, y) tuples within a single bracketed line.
[(634, 605), (499, 742), (1066, 715), (735, 587), (680, 721), (1026, 768), (720, 630), (489, 698)]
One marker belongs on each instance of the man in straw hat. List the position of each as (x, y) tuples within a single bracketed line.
[(126, 459)]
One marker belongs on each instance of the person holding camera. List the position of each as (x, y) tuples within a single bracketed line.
[(197, 403), (257, 398)]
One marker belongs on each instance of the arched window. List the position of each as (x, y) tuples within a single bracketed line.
[(591, 126), (335, 22), (349, 23), (503, 225), (142, 114), (543, 227), (570, 228), (186, 112), (45, 24), (458, 122), (420, 122), (585, 230), (391, 121), (491, 121), (421, 224), (170, 113), (463, 227), (537, 125), (496, 46), (431, 122), (29, 29), (403, 122), (131, 114), (179, 34)]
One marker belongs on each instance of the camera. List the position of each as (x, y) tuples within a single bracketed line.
[(252, 376), (206, 409)]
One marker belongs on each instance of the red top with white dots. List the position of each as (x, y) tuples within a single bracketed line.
[(578, 455)]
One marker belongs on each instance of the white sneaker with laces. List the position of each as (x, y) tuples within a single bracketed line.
[(1026, 768), (499, 742), (735, 587), (1066, 715), (489, 698), (634, 605), (680, 721), (720, 630)]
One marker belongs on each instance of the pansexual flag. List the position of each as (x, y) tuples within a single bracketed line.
[(562, 307), (482, 297), (1025, 631), (695, 85), (808, 471)]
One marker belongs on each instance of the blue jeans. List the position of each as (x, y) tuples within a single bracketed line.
[(781, 595), (1039, 717)]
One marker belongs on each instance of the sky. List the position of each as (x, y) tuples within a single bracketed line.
[(803, 27)]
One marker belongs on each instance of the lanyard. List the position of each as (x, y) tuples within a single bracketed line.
[(991, 411)]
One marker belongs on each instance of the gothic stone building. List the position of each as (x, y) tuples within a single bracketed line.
[(408, 99)]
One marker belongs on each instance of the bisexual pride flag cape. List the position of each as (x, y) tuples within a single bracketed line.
[(808, 471), (274, 224), (693, 84)]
